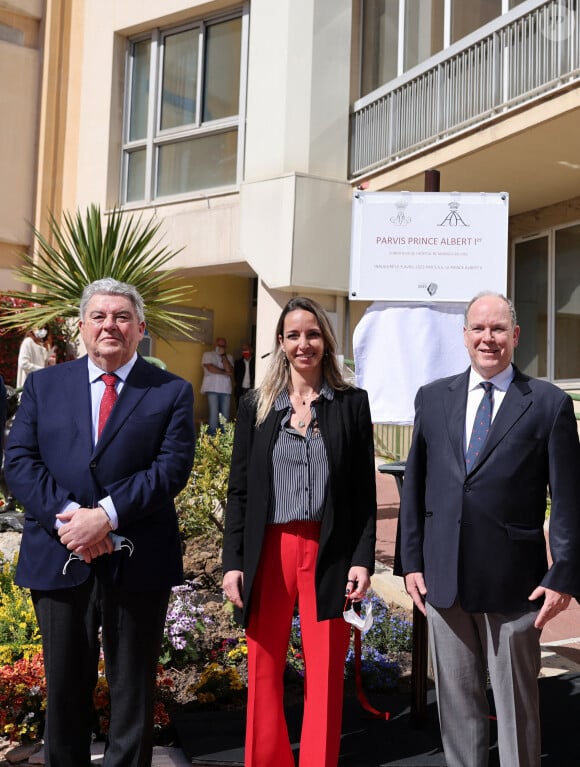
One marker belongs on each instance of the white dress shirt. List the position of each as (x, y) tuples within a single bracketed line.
[(97, 390), (475, 394)]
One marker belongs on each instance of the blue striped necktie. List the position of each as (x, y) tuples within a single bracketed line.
[(480, 426)]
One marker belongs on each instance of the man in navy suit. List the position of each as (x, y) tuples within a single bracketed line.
[(472, 542), (101, 549)]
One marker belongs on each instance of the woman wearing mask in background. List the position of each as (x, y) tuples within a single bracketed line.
[(300, 528), (35, 353)]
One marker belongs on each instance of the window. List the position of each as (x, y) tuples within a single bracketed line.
[(424, 21), (396, 35), (380, 32), (469, 15), (547, 300), (531, 301), (183, 105)]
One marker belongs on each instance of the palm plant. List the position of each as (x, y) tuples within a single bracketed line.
[(86, 249)]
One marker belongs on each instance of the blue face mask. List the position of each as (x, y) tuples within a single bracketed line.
[(40, 333)]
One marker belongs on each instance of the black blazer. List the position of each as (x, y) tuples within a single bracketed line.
[(239, 373), (349, 521), (479, 536)]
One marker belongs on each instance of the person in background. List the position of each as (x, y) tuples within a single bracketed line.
[(218, 369), (244, 372), (487, 445), (98, 450), (300, 528), (35, 354)]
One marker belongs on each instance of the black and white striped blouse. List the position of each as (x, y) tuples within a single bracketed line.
[(300, 467)]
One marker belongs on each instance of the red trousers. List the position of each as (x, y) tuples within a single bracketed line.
[(285, 575)]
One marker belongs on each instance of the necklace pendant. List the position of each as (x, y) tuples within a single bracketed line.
[(301, 424)]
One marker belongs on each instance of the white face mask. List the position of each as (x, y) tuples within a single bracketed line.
[(360, 621), (40, 333)]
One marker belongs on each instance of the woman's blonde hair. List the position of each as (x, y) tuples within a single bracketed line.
[(277, 376)]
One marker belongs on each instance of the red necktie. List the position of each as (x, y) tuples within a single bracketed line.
[(108, 400)]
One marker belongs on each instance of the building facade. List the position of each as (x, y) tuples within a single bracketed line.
[(244, 128)]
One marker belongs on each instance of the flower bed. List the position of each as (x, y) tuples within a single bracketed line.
[(199, 619), (204, 661)]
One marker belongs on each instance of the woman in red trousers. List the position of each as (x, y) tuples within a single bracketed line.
[(300, 530)]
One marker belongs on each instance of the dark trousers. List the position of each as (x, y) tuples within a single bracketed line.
[(132, 630)]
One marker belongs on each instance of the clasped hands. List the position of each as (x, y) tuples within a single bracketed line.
[(554, 601), (86, 532)]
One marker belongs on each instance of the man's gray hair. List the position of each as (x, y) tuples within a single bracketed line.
[(110, 287), (485, 294)]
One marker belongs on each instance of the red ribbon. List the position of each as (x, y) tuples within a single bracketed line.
[(362, 698)]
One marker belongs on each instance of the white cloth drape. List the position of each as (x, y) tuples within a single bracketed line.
[(399, 347)]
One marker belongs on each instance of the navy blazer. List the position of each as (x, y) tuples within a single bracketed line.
[(479, 536), (142, 460), (348, 529)]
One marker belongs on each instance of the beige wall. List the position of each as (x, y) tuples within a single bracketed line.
[(290, 222), (270, 305), (31, 8), (38, 137), (106, 27), (295, 200), (295, 232), (552, 215), (302, 126), (299, 57), (230, 299), (20, 68)]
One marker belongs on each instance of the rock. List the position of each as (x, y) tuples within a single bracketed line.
[(11, 520), (23, 753), (202, 562), (9, 545)]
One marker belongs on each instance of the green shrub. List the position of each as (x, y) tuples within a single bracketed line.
[(201, 504), (18, 626)]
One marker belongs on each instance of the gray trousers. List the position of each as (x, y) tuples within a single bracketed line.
[(464, 647)]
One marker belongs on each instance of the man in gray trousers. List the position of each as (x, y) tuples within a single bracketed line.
[(487, 446)]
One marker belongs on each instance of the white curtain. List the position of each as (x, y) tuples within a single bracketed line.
[(399, 347)]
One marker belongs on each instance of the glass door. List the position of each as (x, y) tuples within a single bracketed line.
[(546, 293), (531, 301), (567, 303)]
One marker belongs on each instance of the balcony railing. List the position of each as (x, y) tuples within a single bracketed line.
[(513, 61)]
